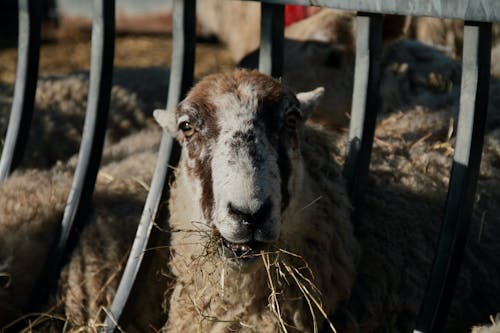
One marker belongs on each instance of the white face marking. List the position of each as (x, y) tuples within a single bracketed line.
[(245, 171)]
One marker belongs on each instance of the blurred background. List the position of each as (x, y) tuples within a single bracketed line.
[(143, 38)]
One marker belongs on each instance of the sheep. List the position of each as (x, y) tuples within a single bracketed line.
[(60, 109), (412, 74), (249, 184), (447, 33), (324, 43), (236, 23), (375, 278), (411, 159), (31, 207), (237, 15)]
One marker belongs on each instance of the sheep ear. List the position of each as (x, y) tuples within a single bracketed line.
[(310, 100), (166, 119)]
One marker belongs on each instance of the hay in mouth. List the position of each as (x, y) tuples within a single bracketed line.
[(241, 251)]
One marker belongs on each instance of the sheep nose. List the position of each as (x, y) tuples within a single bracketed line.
[(252, 219)]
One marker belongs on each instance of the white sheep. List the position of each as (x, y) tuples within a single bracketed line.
[(254, 178), (256, 205), (60, 110)]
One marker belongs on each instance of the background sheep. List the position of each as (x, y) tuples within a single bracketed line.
[(442, 32), (60, 110), (31, 208), (404, 205), (397, 235), (324, 44), (412, 74), (229, 19)]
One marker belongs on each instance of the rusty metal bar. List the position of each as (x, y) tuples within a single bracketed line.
[(78, 204), (484, 10), (464, 173), (181, 79), (272, 39), (25, 89), (364, 103)]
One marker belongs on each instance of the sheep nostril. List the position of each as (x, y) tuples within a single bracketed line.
[(247, 217), (241, 215), (264, 212)]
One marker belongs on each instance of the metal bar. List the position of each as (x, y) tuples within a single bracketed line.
[(484, 10), (271, 39), (181, 79), (78, 204), (364, 103), (25, 89), (464, 173)]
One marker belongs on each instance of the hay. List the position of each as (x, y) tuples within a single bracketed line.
[(302, 276), (492, 327), (288, 278)]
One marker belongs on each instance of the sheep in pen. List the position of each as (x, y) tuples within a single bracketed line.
[(260, 236)]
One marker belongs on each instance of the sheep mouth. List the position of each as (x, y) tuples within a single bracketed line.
[(242, 252)]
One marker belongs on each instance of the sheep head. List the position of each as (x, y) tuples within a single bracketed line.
[(240, 136)]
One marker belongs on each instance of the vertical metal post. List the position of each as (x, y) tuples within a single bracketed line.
[(78, 204), (364, 103), (271, 39), (464, 173), (24, 92), (181, 79)]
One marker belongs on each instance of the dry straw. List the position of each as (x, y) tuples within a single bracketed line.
[(282, 272)]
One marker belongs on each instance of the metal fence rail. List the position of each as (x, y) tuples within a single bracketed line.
[(272, 38), (181, 79), (24, 91), (89, 156), (464, 173), (364, 103)]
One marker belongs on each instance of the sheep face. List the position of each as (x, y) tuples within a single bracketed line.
[(240, 138)]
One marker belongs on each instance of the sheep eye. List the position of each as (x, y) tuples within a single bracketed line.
[(187, 128), (291, 120)]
